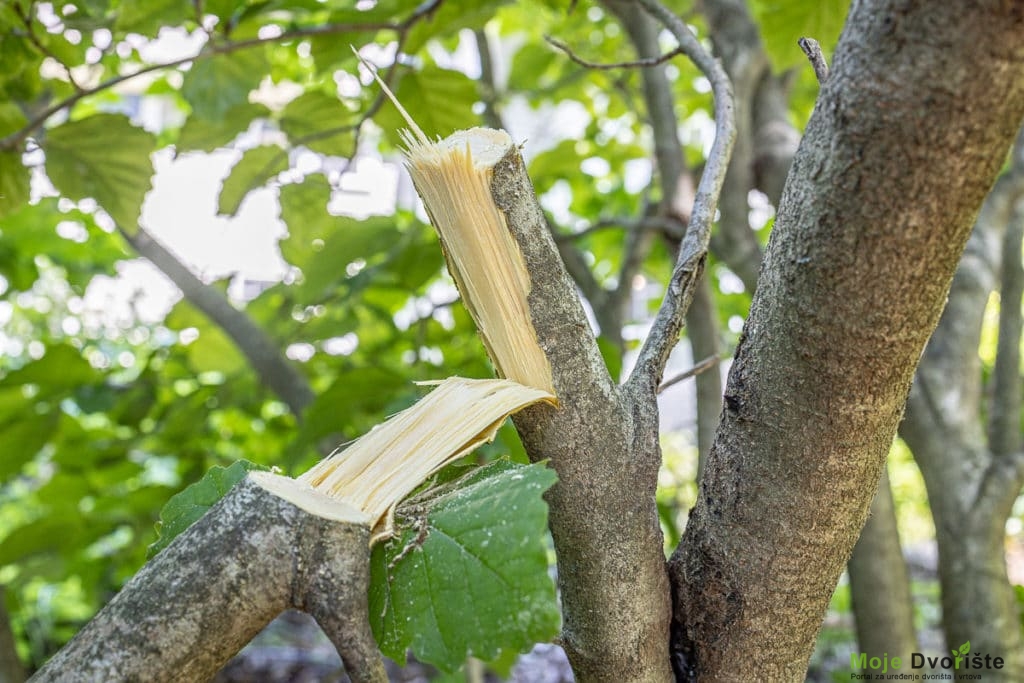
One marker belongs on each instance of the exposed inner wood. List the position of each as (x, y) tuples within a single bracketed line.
[(453, 176), (382, 467)]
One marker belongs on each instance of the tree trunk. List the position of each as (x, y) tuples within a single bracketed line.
[(270, 544), (11, 670), (906, 139), (880, 586)]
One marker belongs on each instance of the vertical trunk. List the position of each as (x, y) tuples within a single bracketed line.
[(879, 585), (972, 481), (904, 143), (702, 330), (11, 670)]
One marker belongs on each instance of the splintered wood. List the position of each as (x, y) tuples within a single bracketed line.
[(453, 176), (378, 470)]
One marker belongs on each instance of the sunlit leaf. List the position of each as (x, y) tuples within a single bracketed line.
[(321, 123), (214, 85), (206, 135), (103, 157), (784, 22), (439, 100), (186, 507), (147, 16), (254, 169)]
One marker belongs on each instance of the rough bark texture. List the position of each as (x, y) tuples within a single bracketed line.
[(907, 137), (611, 567), (879, 584), (198, 602), (972, 483)]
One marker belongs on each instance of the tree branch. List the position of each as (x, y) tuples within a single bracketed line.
[(269, 545), (812, 49), (1004, 422), (693, 250), (276, 372), (645, 62)]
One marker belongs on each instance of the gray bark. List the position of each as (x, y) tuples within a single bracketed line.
[(879, 584), (905, 141), (603, 518), (198, 602)]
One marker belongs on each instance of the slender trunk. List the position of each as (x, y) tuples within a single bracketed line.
[(264, 355), (879, 584), (11, 670), (702, 330), (972, 480), (875, 214)]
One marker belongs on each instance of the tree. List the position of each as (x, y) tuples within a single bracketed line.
[(907, 136)]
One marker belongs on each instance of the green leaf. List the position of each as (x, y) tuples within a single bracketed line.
[(321, 123), (213, 86), (783, 22), (439, 100), (964, 649), (103, 157), (14, 183), (186, 507), (207, 135), (20, 440), (320, 244), (253, 170), (213, 351), (61, 368), (470, 574), (147, 16)]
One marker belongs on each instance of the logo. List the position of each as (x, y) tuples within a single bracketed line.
[(961, 664)]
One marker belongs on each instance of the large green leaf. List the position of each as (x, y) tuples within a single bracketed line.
[(187, 506), (469, 576), (321, 123), (200, 133), (148, 16), (60, 369), (213, 351), (320, 244), (439, 100), (214, 85), (14, 183), (253, 170), (20, 440), (103, 157), (784, 22)]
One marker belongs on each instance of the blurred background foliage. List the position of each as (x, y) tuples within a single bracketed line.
[(112, 400)]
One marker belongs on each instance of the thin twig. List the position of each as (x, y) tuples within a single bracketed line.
[(424, 11), (706, 364), (693, 250), (663, 224), (812, 49), (636, 63)]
